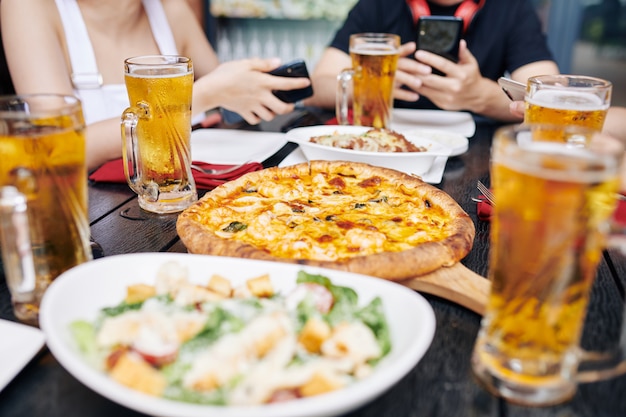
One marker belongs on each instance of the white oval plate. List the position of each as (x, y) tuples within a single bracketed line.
[(457, 143), (79, 293), (410, 162), (231, 146), (451, 121)]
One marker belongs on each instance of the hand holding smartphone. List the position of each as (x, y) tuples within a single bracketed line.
[(295, 68), (440, 35)]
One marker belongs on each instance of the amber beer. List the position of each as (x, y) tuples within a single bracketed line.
[(567, 108), (159, 123), (43, 156), (373, 84), (552, 201), (568, 100), (374, 62)]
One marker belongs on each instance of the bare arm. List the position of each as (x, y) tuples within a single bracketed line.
[(198, 10), (324, 77), (36, 58), (615, 123)]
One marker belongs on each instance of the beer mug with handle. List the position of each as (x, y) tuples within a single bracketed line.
[(551, 222), (156, 131), (44, 227), (567, 100), (369, 83)]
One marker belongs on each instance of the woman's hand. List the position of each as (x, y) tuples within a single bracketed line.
[(244, 87)]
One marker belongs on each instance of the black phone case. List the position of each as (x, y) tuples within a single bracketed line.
[(440, 35), (293, 69)]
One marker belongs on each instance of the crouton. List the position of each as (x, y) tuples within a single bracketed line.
[(185, 330), (192, 294), (133, 372), (208, 383), (320, 383), (261, 286), (313, 334), (220, 285), (139, 292)]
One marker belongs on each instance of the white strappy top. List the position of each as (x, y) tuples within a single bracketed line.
[(100, 101)]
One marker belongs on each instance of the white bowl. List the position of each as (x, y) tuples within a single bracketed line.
[(417, 163), (80, 292)]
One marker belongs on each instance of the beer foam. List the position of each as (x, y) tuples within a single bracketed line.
[(567, 100), (373, 49), (159, 73)]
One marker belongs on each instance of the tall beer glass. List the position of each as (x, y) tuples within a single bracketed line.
[(568, 100), (43, 199), (553, 205), (157, 132), (374, 62)]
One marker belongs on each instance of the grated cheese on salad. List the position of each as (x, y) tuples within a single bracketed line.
[(223, 345)]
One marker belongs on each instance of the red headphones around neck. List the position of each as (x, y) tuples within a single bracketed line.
[(466, 10)]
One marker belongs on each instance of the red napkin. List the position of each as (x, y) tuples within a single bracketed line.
[(334, 121), (113, 171), (484, 209)]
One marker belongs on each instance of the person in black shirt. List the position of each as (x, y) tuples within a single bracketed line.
[(503, 37)]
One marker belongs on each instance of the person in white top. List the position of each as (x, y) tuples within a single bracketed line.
[(47, 51)]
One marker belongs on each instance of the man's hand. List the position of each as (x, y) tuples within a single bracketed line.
[(408, 73), (462, 87), (517, 108)]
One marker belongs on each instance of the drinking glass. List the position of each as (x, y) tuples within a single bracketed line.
[(551, 222), (567, 100), (43, 196), (156, 131), (374, 62)]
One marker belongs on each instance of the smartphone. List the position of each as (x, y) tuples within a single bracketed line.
[(440, 35), (295, 68), (513, 89)]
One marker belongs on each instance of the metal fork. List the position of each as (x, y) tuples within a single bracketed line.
[(218, 171), (486, 192)]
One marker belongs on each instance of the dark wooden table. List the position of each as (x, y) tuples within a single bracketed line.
[(440, 385)]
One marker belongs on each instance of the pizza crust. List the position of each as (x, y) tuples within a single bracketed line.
[(418, 260)]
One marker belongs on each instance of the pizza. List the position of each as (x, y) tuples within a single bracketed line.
[(336, 214), (373, 140)]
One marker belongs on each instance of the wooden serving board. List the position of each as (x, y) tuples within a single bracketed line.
[(455, 283)]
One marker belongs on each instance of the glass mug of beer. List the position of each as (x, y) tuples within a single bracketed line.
[(554, 201), (43, 195), (156, 132), (567, 100), (374, 62)]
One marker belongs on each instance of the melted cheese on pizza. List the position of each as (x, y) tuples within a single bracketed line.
[(373, 140), (326, 217)]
